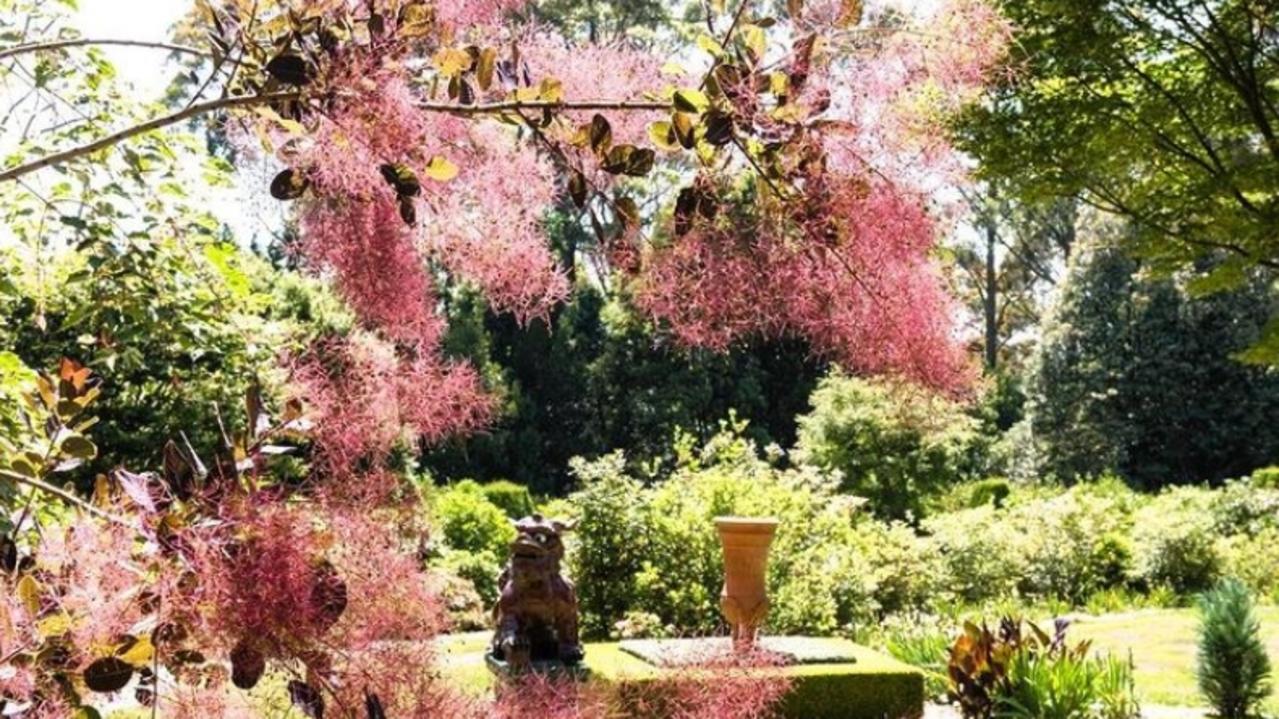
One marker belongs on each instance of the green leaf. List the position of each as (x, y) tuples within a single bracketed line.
[(577, 188), (79, 447), (403, 179), (718, 128), (29, 594), (601, 134), (289, 185), (662, 133), (629, 160), (689, 100)]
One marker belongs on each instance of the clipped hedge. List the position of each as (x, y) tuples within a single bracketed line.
[(874, 686)]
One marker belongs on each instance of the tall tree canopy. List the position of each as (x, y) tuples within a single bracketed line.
[(1135, 375), (1163, 111)]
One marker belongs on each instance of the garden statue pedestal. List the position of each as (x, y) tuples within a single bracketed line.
[(536, 612), (744, 600)]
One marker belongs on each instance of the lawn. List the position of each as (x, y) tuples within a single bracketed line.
[(1162, 645)]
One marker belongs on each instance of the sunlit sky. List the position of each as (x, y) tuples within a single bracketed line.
[(135, 20)]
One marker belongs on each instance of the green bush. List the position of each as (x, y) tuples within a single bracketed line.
[(468, 521), (1252, 559), (512, 498), (612, 539), (1265, 478), (1243, 507), (1174, 541), (981, 552), (481, 569), (654, 550), (906, 572), (894, 445), (1076, 543), (1232, 666)]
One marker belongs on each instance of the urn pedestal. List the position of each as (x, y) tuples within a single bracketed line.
[(744, 600)]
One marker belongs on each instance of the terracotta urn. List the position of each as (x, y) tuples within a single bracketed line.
[(744, 600)]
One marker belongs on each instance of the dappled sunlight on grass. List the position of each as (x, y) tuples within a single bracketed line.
[(1162, 643)]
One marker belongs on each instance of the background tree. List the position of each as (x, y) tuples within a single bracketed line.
[(892, 444), (1161, 111), (1134, 373), (1007, 268), (600, 378)]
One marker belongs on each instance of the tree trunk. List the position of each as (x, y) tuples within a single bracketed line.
[(990, 300)]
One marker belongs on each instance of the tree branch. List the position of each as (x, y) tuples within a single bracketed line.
[(491, 108), (80, 42), (194, 111), (65, 496)]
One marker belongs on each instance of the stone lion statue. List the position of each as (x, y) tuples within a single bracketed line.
[(536, 612)]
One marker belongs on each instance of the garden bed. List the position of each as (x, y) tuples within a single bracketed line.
[(870, 687)]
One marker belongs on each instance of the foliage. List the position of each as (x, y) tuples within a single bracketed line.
[(418, 162), (1265, 478), (1150, 110), (1174, 542), (1233, 669), (980, 553), (599, 378), (1078, 542), (468, 520), (890, 443), (923, 645), (1068, 686), (1021, 671), (120, 264), (1136, 375), (654, 549), (52, 412), (513, 499)]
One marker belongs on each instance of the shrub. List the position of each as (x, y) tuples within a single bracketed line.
[(981, 552), (1232, 667), (1265, 478), (1174, 541), (654, 549), (512, 498), (1021, 671), (1076, 543), (1244, 507), (606, 552), (468, 521), (894, 445), (1252, 559), (906, 573), (481, 569)]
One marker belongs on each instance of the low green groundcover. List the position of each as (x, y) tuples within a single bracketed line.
[(873, 687)]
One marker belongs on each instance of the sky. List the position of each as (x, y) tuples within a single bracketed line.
[(137, 20)]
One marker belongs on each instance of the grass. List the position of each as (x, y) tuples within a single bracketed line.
[(1162, 644)]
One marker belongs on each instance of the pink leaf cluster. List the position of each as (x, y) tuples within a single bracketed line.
[(364, 395), (871, 299), (847, 266)]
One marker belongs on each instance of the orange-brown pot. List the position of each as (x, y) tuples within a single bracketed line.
[(744, 600)]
